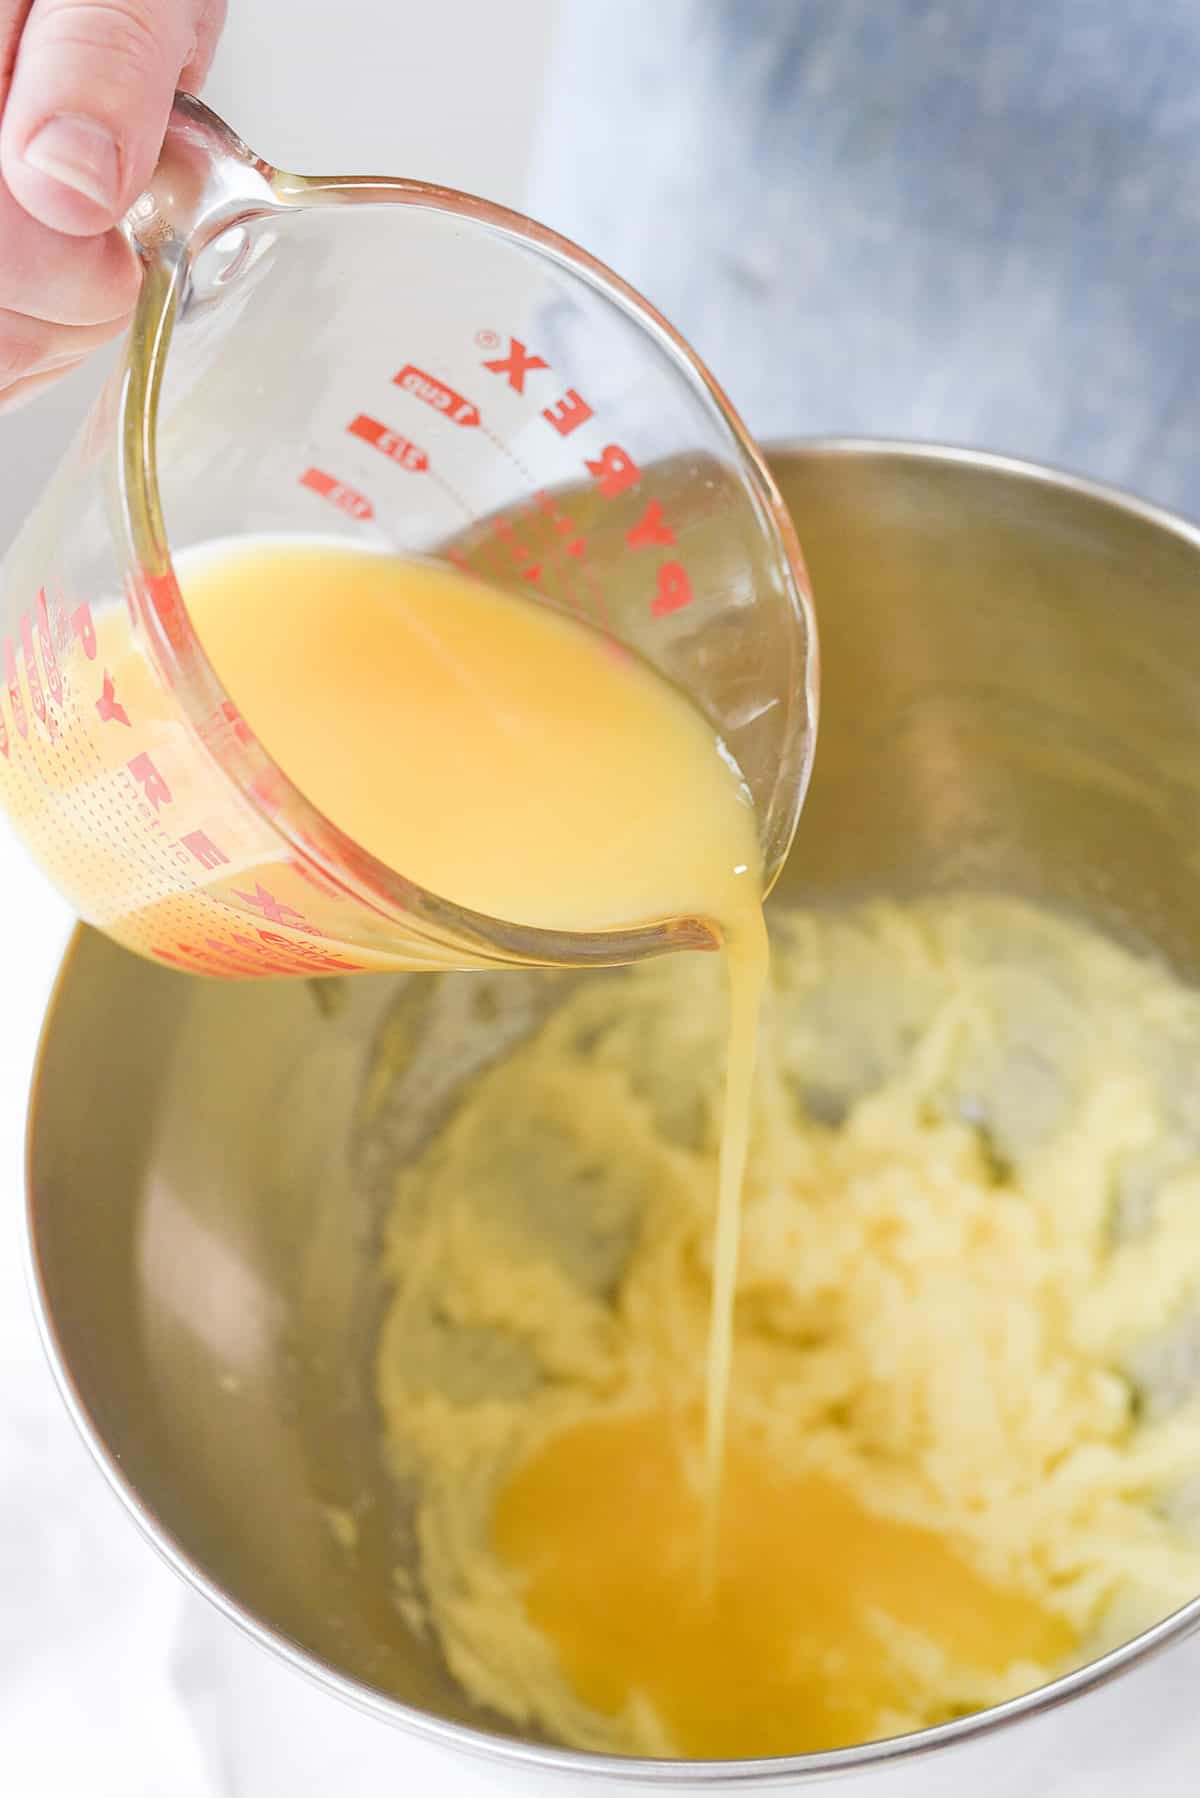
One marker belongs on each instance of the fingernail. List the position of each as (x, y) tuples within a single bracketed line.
[(81, 154)]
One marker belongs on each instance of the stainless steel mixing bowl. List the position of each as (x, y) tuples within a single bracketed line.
[(1011, 699)]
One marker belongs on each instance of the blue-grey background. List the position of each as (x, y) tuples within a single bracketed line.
[(954, 219)]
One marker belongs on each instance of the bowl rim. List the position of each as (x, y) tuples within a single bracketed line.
[(480, 1743)]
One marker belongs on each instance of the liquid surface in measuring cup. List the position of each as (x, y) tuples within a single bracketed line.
[(495, 752), (509, 759)]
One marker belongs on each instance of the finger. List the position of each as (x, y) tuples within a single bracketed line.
[(208, 28), (22, 392), (89, 101), (60, 280), (30, 346), (65, 280)]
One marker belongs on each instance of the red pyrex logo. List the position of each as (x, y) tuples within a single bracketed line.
[(613, 470)]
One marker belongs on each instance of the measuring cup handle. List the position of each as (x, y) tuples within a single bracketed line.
[(206, 176)]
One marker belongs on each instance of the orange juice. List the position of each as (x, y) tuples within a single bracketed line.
[(506, 758), (786, 1649)]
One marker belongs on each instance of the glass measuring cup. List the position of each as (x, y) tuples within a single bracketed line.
[(396, 365)]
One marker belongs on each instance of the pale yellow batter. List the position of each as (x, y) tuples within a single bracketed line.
[(965, 1417)]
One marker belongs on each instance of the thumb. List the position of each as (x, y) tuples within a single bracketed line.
[(90, 97)]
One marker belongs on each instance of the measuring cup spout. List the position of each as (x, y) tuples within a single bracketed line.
[(206, 179)]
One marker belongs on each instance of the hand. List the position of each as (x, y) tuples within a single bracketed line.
[(85, 92)]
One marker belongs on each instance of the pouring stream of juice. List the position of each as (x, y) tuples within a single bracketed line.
[(513, 761)]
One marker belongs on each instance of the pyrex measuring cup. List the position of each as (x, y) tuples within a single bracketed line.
[(398, 365)]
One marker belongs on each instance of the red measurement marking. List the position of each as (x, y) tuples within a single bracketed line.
[(543, 502), (61, 627), (568, 413), (319, 883), (250, 943), (150, 780), (307, 955), (389, 443), (433, 393), (274, 954), (46, 645), (33, 676), (15, 697), (674, 590), (219, 959), (237, 963), (252, 955), (613, 470), (566, 527), (346, 499), (516, 365), (166, 606), (520, 552), (267, 789), (237, 723), (109, 706), (651, 527), (504, 529), (268, 953), (206, 852), (83, 630), (181, 956)]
